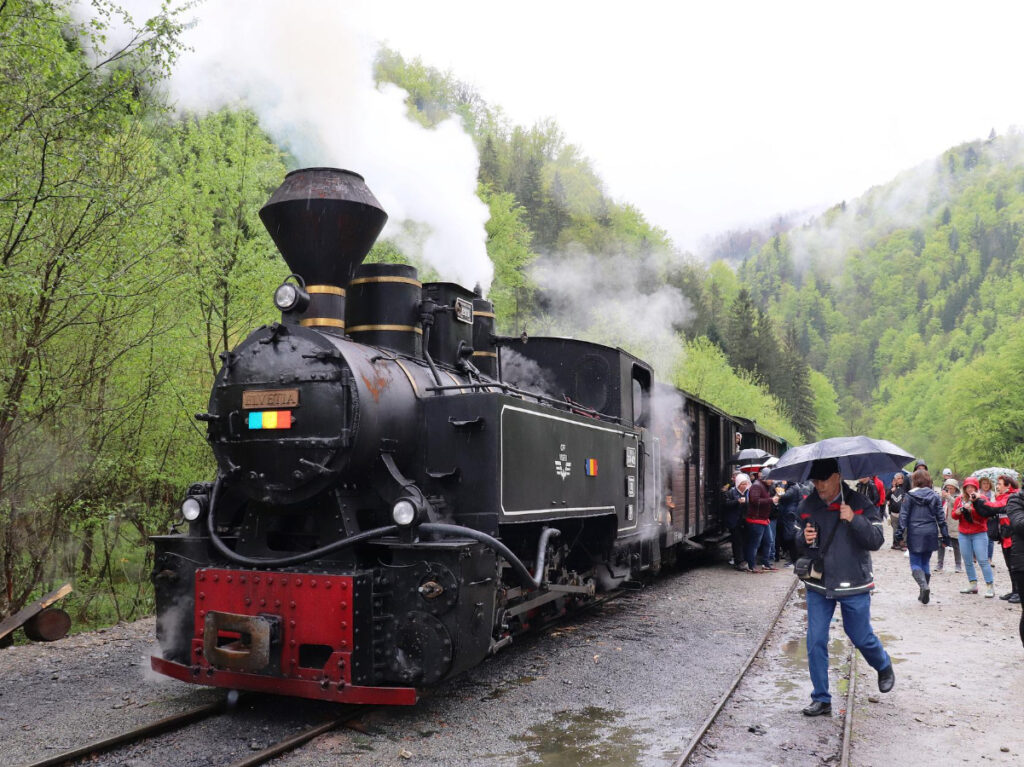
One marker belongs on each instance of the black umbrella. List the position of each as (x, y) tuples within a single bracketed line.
[(857, 457), (749, 456)]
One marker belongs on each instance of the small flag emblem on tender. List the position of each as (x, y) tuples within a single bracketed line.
[(270, 419), (591, 467)]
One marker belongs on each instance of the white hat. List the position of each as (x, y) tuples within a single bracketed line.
[(947, 472), (741, 478)]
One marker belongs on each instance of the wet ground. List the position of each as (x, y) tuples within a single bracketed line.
[(959, 680), (627, 685)]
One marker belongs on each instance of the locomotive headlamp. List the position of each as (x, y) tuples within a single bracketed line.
[(291, 297), (193, 507), (404, 512)]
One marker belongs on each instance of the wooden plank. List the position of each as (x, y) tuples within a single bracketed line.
[(9, 624)]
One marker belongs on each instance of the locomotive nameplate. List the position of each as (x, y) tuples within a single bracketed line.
[(463, 311), (258, 399)]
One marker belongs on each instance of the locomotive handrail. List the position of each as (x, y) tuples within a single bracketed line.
[(534, 395)]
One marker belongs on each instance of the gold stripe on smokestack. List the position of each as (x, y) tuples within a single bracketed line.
[(322, 322), (332, 289), (484, 314), (368, 280), (394, 328)]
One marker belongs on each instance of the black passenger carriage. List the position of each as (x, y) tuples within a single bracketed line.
[(400, 492)]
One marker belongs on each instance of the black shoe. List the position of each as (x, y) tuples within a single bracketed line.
[(1014, 599), (1007, 595), (818, 708), (886, 679), (924, 594)]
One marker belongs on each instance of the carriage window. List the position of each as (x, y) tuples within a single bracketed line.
[(641, 396)]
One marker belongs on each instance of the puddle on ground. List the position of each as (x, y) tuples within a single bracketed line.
[(505, 687), (794, 652), (588, 736)]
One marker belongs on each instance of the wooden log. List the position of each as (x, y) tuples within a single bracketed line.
[(48, 625), (9, 624)]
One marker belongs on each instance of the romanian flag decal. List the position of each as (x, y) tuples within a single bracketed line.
[(591, 467), (270, 419)]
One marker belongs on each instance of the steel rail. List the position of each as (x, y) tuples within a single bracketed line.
[(174, 722), (702, 731), (294, 741), (847, 730), (844, 759)]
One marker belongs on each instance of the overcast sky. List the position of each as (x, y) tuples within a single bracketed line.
[(706, 115), (714, 114)]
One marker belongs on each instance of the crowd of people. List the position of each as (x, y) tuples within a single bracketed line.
[(775, 524)]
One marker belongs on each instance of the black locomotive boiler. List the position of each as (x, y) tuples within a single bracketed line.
[(388, 510)]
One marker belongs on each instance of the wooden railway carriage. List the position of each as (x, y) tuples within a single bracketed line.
[(386, 513)]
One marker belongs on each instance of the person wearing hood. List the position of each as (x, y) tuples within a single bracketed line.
[(973, 539), (921, 517), (999, 524)]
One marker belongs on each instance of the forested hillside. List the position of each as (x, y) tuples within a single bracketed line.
[(909, 299)]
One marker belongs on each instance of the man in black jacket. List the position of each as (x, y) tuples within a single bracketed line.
[(841, 528)]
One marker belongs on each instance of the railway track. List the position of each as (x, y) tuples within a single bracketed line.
[(847, 721), (344, 714), (148, 732)]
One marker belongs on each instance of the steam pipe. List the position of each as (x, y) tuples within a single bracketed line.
[(522, 574), (437, 528), (234, 556), (426, 354)]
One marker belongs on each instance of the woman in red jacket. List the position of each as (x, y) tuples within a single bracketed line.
[(973, 539), (995, 516)]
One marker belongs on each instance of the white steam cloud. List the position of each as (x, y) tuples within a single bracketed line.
[(306, 70), (616, 300)]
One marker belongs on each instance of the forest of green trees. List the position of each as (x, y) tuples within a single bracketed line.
[(131, 256)]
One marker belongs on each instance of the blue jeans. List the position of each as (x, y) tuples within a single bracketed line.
[(772, 534), (756, 540), (976, 545), (856, 612), (921, 560)]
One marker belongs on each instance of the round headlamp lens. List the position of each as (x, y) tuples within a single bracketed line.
[(403, 513), (286, 296), (191, 509)]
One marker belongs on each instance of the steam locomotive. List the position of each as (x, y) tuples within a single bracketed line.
[(389, 508)]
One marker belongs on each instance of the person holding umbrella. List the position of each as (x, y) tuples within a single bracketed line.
[(840, 530), (842, 527), (923, 522)]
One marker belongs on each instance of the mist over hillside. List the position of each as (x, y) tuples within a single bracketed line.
[(909, 299)]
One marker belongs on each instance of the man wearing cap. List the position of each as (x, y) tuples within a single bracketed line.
[(841, 527)]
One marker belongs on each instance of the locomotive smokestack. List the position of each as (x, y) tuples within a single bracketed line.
[(324, 221)]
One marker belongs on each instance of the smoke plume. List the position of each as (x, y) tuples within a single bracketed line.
[(307, 72), (617, 300)]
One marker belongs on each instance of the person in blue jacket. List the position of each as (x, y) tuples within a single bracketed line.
[(922, 522)]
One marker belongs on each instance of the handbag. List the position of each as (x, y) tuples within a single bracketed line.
[(809, 568)]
